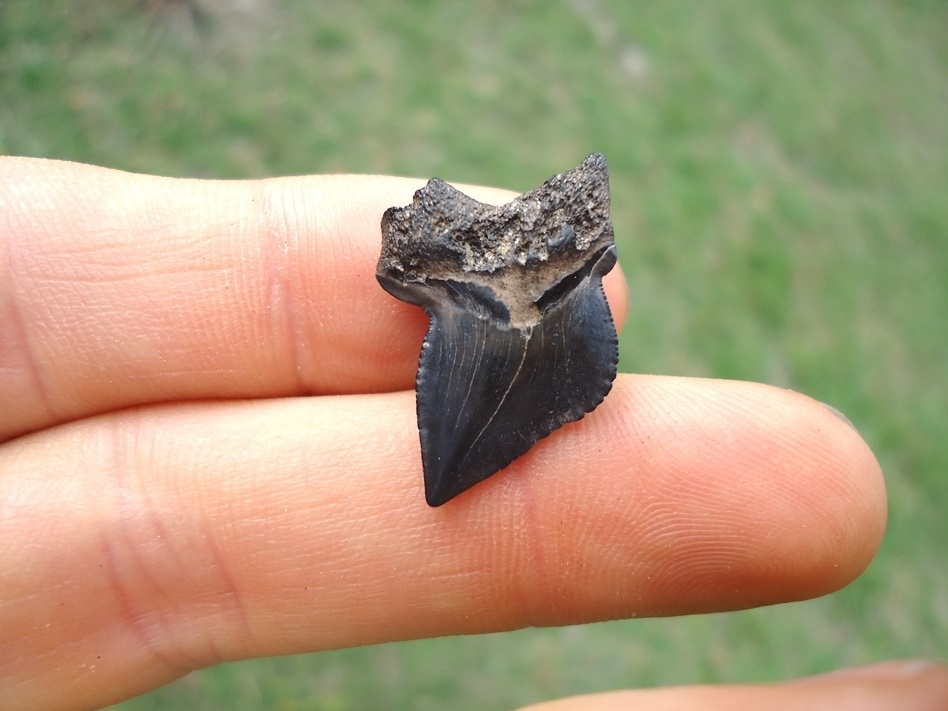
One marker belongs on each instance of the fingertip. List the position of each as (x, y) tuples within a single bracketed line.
[(729, 494), (835, 494)]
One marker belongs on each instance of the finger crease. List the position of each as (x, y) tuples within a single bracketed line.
[(20, 333), (126, 569), (236, 611), (281, 299)]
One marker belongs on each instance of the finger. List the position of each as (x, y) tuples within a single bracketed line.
[(892, 686), (123, 289), (137, 546)]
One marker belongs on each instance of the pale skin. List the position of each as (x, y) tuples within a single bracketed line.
[(208, 452)]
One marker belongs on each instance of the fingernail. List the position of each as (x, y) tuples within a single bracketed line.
[(839, 414)]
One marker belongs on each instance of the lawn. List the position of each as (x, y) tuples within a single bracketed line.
[(779, 177)]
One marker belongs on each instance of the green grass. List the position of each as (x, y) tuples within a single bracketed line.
[(779, 174)]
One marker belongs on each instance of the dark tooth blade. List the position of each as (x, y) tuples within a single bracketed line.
[(521, 339)]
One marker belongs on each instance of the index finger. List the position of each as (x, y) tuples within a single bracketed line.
[(125, 289)]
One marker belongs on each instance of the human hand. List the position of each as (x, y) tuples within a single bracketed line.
[(170, 500)]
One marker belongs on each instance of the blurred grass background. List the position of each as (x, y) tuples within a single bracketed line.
[(780, 197)]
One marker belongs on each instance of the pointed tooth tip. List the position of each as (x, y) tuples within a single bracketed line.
[(437, 496), (434, 502), (440, 488)]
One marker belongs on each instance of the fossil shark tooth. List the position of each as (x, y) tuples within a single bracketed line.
[(521, 339)]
